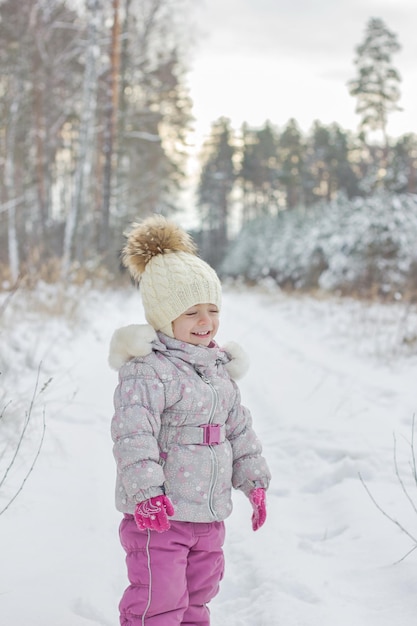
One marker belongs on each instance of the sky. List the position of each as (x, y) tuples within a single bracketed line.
[(258, 60)]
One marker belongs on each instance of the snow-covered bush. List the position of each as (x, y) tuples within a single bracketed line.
[(363, 245)]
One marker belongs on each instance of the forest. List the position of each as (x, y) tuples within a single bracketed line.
[(96, 117)]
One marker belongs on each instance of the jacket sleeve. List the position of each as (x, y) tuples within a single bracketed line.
[(139, 401), (250, 469)]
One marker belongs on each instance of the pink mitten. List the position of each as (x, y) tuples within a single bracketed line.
[(153, 514), (257, 498)]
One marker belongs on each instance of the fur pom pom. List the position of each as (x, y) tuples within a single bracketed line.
[(154, 236), (129, 342)]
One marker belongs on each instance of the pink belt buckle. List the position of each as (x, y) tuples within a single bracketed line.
[(212, 434)]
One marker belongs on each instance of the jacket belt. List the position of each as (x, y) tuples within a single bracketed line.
[(204, 435)]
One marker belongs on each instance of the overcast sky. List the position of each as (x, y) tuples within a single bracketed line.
[(276, 59)]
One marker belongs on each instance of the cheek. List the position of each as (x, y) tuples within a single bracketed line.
[(180, 329)]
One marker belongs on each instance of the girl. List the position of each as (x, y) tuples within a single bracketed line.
[(181, 437)]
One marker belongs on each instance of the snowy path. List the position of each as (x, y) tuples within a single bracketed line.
[(324, 413), (325, 416)]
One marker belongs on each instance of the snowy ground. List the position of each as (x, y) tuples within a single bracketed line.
[(330, 385)]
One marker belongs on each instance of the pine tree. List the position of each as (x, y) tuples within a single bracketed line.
[(376, 85), (259, 171), (291, 152), (328, 168), (402, 167), (214, 191)]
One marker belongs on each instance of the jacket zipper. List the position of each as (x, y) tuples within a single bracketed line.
[(214, 461)]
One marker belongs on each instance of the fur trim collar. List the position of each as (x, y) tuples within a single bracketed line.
[(136, 340), (129, 342), (239, 360)]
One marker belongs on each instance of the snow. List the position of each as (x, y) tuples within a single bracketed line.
[(331, 382)]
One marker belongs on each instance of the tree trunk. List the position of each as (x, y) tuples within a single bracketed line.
[(83, 165), (9, 186), (110, 128)]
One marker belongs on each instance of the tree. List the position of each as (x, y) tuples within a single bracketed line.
[(39, 73), (376, 85), (214, 191), (154, 111), (317, 183), (259, 171), (402, 166), (110, 127), (83, 163), (291, 152), (8, 196), (327, 163), (94, 111), (342, 173)]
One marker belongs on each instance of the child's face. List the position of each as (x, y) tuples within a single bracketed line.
[(197, 325)]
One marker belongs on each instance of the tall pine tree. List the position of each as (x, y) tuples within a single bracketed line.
[(376, 85), (214, 191)]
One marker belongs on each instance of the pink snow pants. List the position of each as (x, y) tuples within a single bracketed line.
[(173, 575)]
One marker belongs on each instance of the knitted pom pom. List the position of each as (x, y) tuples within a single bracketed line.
[(154, 236)]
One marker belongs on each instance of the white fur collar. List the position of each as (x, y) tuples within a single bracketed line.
[(129, 342), (239, 360), (136, 340)]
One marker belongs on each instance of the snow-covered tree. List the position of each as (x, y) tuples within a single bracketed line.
[(364, 246)]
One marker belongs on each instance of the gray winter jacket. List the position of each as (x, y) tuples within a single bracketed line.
[(179, 427)]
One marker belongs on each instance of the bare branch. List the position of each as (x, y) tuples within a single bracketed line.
[(143, 135), (413, 450), (406, 555), (24, 429), (400, 480), (30, 470), (10, 294), (3, 411), (404, 490), (13, 203), (28, 416), (392, 519)]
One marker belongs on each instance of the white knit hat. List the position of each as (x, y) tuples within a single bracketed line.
[(172, 278)]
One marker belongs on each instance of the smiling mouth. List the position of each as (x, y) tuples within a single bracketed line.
[(203, 333)]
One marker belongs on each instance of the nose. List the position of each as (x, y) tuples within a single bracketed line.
[(204, 318)]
